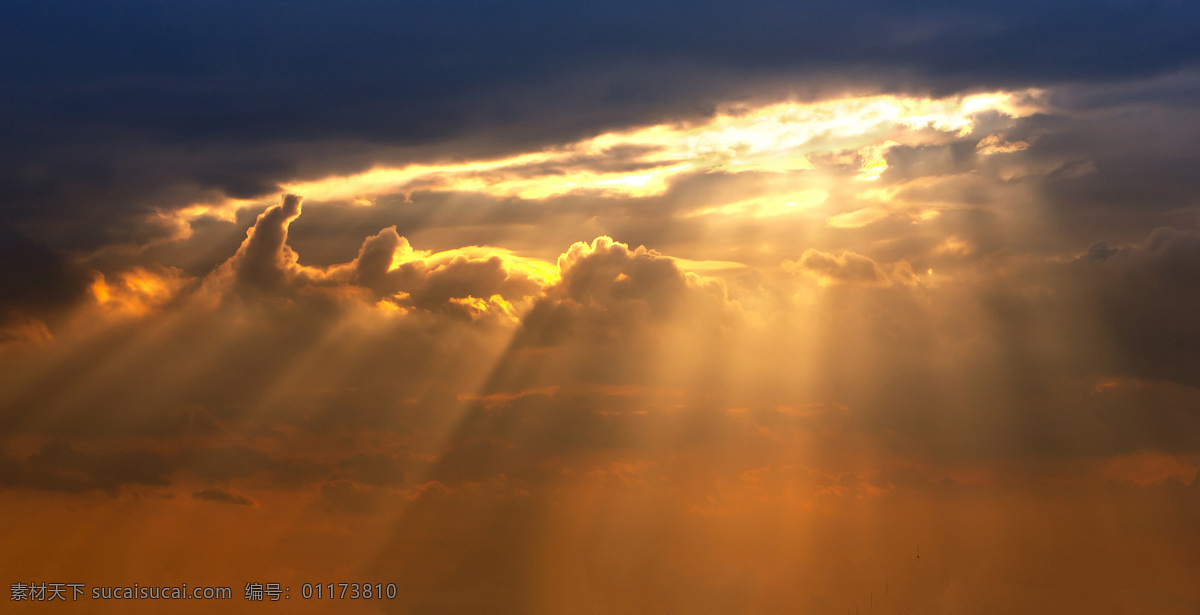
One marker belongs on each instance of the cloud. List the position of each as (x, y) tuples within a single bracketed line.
[(1100, 251), (103, 138), (278, 344), (271, 339), (220, 495), (606, 272), (264, 260), (609, 291), (1147, 295), (421, 372), (39, 283), (136, 290), (849, 268), (630, 404), (470, 282), (346, 497), (56, 466), (377, 470), (644, 161), (241, 463)]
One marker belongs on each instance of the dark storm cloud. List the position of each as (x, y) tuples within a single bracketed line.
[(1148, 296), (37, 281), (1119, 160), (112, 109), (199, 68)]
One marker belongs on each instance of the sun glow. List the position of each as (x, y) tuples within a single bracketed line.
[(137, 290), (643, 162)]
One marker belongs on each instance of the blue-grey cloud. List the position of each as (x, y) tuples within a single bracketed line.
[(112, 109)]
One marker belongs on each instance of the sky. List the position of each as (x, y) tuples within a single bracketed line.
[(546, 307)]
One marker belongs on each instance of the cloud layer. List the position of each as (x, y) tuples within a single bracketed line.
[(646, 308)]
